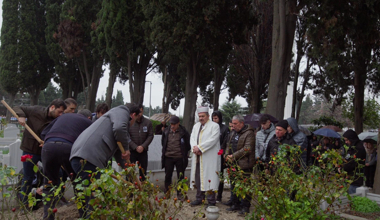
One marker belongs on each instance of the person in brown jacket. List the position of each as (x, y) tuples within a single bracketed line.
[(241, 151), (141, 136), (38, 118)]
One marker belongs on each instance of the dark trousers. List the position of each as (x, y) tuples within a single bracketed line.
[(202, 194), (29, 175), (170, 162), (54, 155), (221, 183), (80, 170), (142, 158), (246, 202), (369, 172)]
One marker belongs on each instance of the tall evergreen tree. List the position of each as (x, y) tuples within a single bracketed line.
[(194, 29), (122, 27), (35, 65), (9, 76), (74, 37), (67, 73)]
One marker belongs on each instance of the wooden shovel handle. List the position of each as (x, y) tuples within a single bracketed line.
[(26, 126)]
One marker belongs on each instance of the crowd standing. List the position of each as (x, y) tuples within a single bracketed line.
[(75, 143)]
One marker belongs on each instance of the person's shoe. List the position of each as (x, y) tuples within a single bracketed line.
[(244, 211), (196, 202), (228, 203), (218, 199), (233, 208)]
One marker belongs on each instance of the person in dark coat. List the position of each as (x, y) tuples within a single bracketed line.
[(370, 161), (355, 150), (281, 137), (217, 117), (175, 150), (38, 118), (161, 127), (141, 134), (98, 144), (59, 137), (300, 138)]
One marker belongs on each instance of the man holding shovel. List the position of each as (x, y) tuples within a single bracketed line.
[(38, 118)]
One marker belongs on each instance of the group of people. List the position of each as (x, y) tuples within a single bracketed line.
[(76, 143), (84, 142)]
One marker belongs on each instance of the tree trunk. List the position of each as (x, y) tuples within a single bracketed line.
[(11, 101), (296, 74), (34, 97), (167, 91), (114, 69), (284, 24), (218, 81), (137, 77), (190, 93), (305, 82), (255, 102), (359, 85), (93, 86)]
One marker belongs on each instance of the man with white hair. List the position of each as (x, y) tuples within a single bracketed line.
[(205, 163)]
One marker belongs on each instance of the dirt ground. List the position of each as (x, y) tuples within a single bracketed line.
[(69, 212)]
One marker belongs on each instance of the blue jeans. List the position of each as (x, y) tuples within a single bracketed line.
[(29, 176), (352, 189)]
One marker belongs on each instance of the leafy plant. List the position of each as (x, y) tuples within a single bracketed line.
[(326, 120), (283, 190), (363, 204)]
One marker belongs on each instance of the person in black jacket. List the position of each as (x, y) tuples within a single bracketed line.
[(224, 132), (175, 149), (355, 150), (281, 137)]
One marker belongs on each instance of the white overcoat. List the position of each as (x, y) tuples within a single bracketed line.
[(209, 145)]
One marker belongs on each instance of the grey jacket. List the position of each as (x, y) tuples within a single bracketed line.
[(98, 143), (262, 140), (300, 138)]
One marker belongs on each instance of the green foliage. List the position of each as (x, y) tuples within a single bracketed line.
[(371, 115), (155, 123), (132, 199), (284, 190), (229, 109), (118, 99), (363, 204), (327, 120), (49, 94)]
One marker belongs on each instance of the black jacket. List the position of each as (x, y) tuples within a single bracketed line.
[(185, 144), (224, 131), (274, 143), (357, 149)]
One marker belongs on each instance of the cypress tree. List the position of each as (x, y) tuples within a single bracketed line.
[(9, 77)]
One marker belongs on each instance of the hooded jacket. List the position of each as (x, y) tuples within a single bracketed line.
[(262, 140), (357, 149), (300, 138), (224, 131)]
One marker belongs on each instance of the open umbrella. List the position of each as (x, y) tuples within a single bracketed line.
[(370, 139), (253, 119), (366, 134), (160, 117), (333, 127), (327, 132)]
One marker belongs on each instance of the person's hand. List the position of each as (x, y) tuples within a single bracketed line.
[(199, 153), (140, 149), (21, 121), (41, 145), (339, 170), (195, 150), (367, 164), (126, 155), (39, 191), (229, 157)]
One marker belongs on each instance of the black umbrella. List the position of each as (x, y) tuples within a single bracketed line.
[(253, 119)]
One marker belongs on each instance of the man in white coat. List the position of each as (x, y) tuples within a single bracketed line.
[(205, 161)]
